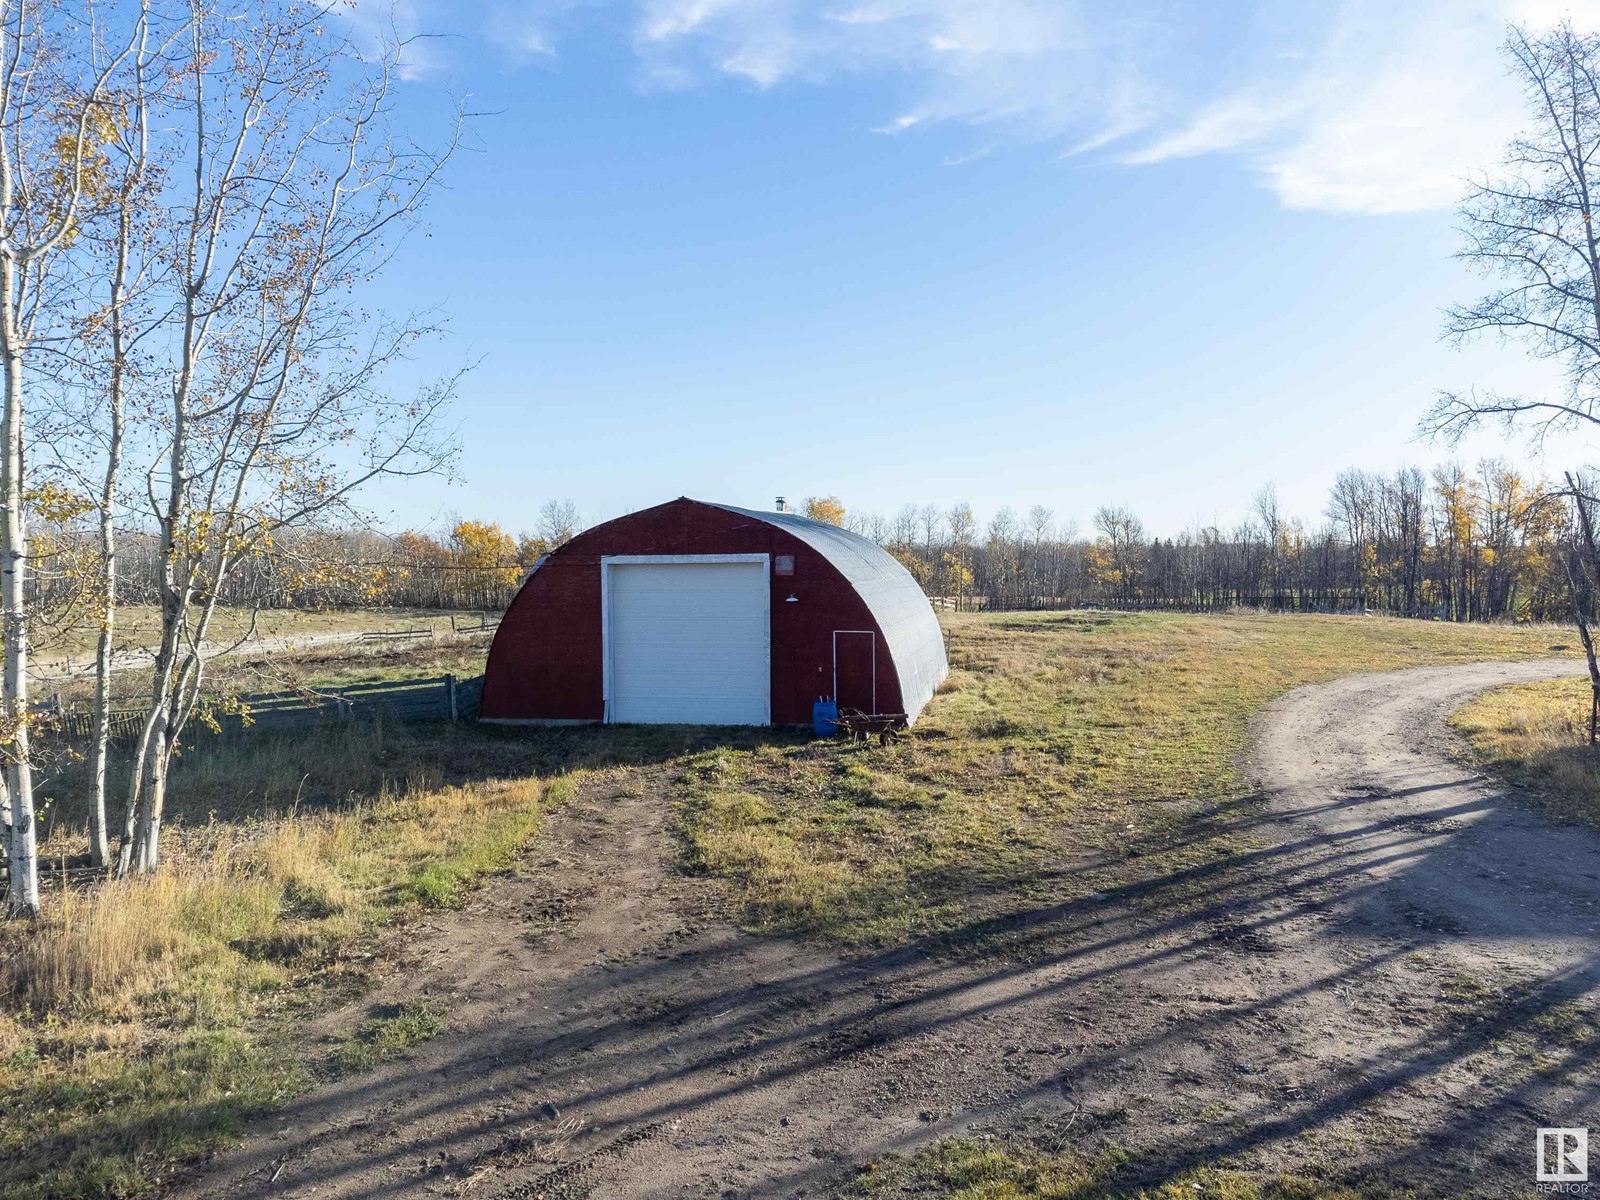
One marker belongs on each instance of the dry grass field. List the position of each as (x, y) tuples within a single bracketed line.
[(138, 1016), (1536, 736), (276, 667), (1058, 736), (143, 1022), (138, 625)]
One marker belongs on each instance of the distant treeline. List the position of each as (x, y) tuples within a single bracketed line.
[(473, 565), (1459, 544)]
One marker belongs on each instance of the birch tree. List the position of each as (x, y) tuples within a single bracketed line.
[(1531, 225), (289, 190), (558, 523), (58, 68), (962, 525), (1580, 564), (114, 261)]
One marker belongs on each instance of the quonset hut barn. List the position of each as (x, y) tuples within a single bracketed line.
[(706, 614)]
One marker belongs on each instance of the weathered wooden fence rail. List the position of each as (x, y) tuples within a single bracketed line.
[(400, 635), (443, 697), (458, 625), (77, 725)]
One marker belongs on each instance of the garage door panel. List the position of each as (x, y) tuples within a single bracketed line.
[(688, 642)]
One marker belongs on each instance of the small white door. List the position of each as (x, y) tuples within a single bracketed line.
[(687, 642)]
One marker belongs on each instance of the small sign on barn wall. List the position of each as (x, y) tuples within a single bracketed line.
[(783, 564)]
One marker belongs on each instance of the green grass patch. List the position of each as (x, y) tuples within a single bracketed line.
[(310, 667), (101, 1121), (389, 1033), (983, 1169)]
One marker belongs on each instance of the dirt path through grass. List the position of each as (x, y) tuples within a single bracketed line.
[(1390, 979), (1424, 843)]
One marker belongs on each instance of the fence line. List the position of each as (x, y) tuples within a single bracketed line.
[(442, 697), (430, 630), (398, 635)]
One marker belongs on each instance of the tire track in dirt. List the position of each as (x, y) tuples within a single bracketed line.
[(1513, 891), (1287, 1005)]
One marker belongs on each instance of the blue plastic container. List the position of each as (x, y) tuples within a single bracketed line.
[(825, 716)]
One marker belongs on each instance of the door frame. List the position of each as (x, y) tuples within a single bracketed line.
[(607, 561), (871, 633)]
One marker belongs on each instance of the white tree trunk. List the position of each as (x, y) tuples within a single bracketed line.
[(99, 842), (99, 847), (23, 895)]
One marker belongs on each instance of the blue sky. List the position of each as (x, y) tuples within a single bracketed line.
[(1001, 251)]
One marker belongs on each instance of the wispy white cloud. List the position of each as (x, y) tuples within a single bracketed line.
[(1351, 106), (379, 26), (532, 30), (1390, 113), (1366, 106), (519, 33), (968, 60)]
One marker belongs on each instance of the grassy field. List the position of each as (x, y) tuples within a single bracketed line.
[(343, 665), (140, 1016), (1060, 740), (143, 1021), (138, 626), (334, 664), (1536, 736)]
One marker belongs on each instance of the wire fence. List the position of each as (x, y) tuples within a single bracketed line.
[(441, 697)]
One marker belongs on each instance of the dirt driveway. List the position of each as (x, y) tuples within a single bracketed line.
[(1392, 978)]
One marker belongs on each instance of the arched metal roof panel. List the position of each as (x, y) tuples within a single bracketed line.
[(890, 592)]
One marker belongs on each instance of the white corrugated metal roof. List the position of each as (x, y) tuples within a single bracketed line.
[(896, 600)]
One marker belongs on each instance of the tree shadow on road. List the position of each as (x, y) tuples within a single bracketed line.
[(1363, 1066)]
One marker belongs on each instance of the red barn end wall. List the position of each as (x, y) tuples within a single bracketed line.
[(545, 663)]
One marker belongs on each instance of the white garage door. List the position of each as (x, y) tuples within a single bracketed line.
[(687, 642)]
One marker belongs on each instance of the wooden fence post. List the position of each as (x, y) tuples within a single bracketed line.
[(450, 692)]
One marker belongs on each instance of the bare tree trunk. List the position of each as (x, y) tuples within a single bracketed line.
[(99, 842), (1585, 636), (141, 847), (133, 180), (1582, 599), (23, 896), (136, 792), (147, 847), (41, 191)]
